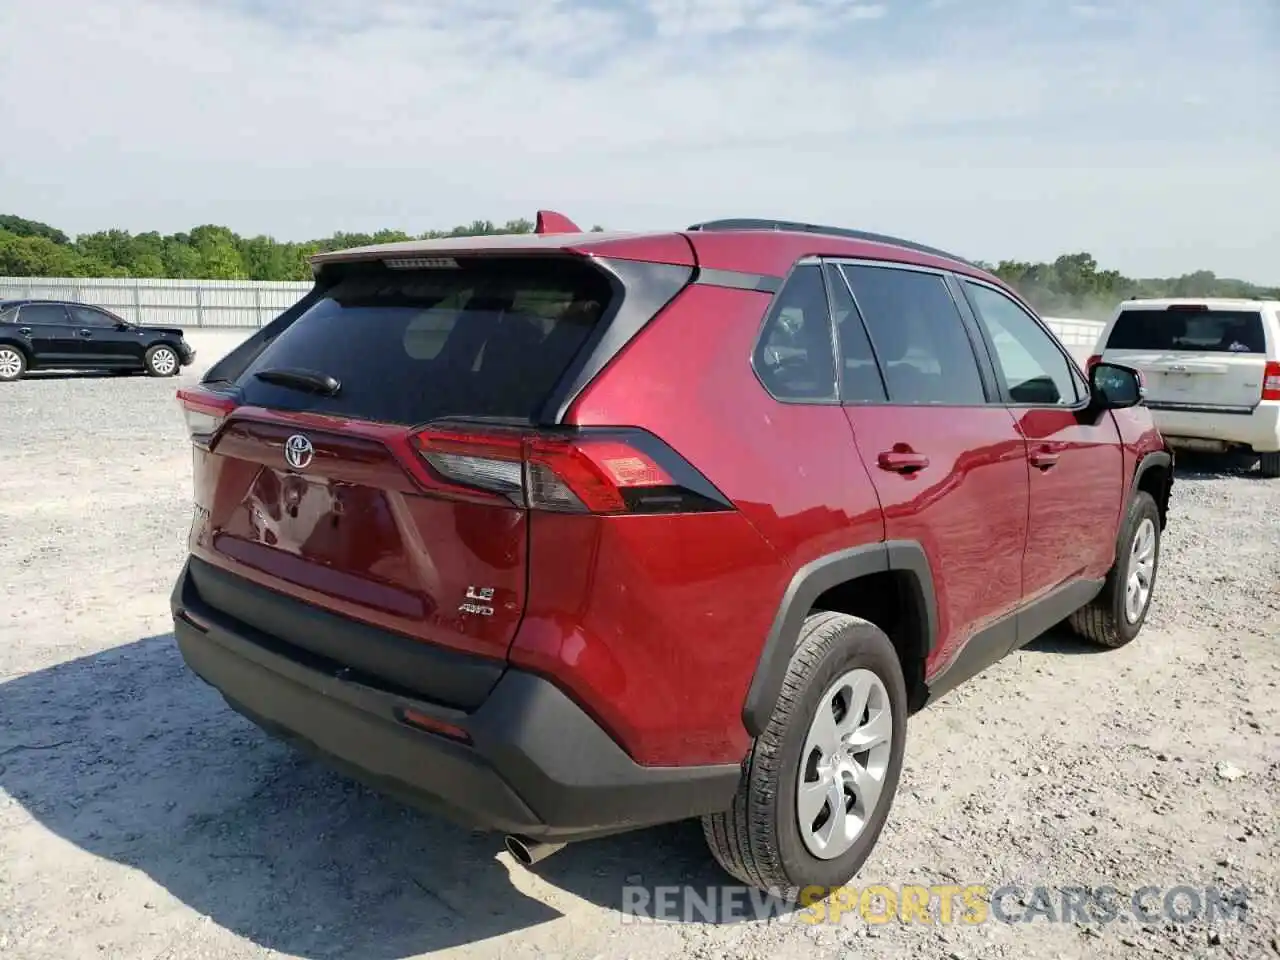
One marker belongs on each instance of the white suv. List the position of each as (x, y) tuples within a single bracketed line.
[(1212, 370)]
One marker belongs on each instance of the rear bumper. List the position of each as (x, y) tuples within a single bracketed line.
[(1258, 429), (535, 764)]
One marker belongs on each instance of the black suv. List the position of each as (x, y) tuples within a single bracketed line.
[(63, 335)]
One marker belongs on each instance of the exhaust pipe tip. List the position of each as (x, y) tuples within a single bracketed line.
[(527, 852)]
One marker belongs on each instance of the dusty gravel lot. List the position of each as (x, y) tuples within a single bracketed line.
[(141, 818)]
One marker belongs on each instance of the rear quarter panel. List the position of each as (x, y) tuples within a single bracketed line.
[(657, 623)]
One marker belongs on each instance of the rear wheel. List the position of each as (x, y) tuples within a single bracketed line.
[(1269, 464), (162, 361), (1117, 614), (818, 783), (13, 363)]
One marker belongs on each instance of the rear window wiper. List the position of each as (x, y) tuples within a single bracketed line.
[(309, 380)]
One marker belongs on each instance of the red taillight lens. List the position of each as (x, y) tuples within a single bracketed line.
[(586, 471), (589, 473), (204, 411), (1271, 381)]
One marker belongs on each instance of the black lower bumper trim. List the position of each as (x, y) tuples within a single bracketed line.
[(537, 764)]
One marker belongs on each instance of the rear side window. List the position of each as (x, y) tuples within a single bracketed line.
[(918, 335), (1190, 330), (489, 339), (794, 357), (43, 314)]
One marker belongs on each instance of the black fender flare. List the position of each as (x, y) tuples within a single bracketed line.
[(1162, 459), (1152, 458), (809, 583)]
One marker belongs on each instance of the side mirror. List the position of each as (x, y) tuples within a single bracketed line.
[(1115, 387)]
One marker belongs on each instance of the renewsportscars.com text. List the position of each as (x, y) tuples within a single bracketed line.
[(945, 904)]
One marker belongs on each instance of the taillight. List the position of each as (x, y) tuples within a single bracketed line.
[(599, 471), (204, 412), (1271, 381)]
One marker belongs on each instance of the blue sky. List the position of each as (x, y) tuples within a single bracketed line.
[(1144, 131)]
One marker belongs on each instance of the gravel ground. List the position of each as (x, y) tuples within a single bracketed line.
[(139, 817)]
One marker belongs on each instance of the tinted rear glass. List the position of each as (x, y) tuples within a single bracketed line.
[(43, 314), (491, 339), (1212, 331)]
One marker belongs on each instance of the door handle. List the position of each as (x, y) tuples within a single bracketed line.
[(25, 331), (1043, 459), (86, 333), (900, 461)]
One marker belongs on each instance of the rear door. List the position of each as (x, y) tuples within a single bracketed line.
[(48, 328), (1192, 356), (946, 457), (321, 492)]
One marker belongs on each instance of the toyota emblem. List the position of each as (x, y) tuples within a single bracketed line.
[(298, 451)]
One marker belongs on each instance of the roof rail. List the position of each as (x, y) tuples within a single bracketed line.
[(749, 223)]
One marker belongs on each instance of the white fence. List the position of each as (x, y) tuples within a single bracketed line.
[(247, 304), (213, 304), (1075, 333)]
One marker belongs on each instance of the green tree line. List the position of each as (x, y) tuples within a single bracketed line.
[(1072, 285)]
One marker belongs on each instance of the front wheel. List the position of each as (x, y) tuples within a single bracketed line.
[(1116, 615), (1269, 465), (162, 361), (818, 783)]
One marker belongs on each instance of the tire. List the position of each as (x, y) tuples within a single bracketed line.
[(1269, 465), (13, 363), (759, 840), (162, 361), (1104, 621)]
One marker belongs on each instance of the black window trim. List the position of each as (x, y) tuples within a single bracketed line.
[(1081, 404), (986, 370), (641, 291), (767, 318), (830, 267)]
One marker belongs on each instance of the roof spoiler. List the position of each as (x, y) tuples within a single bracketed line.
[(549, 221)]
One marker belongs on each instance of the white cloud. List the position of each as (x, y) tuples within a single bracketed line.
[(993, 133)]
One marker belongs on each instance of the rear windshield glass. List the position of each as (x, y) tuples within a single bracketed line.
[(1205, 331), (490, 339)]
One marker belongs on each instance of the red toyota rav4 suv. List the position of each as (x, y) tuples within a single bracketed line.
[(569, 533)]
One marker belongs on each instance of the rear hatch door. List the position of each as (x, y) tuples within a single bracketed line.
[(312, 486), (1192, 356)]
